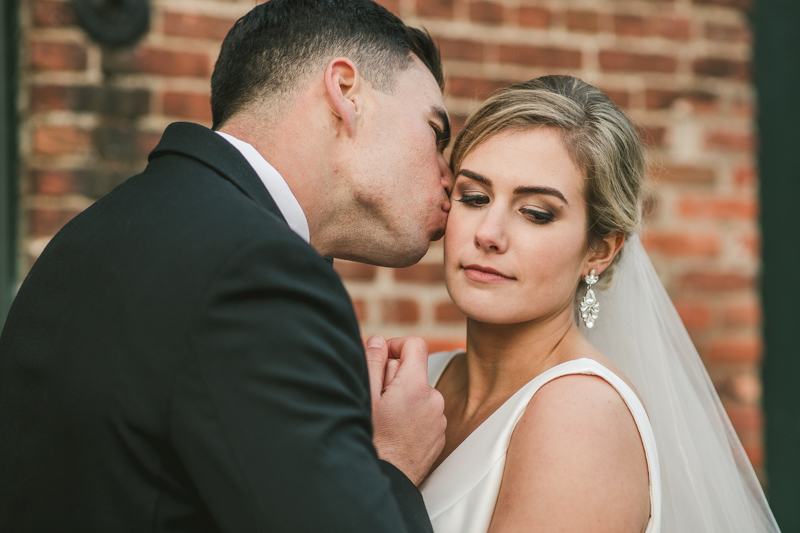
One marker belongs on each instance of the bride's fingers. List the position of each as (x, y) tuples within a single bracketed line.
[(391, 371)]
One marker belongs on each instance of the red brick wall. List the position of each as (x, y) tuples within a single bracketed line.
[(681, 68)]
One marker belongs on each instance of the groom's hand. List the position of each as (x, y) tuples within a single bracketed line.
[(407, 413)]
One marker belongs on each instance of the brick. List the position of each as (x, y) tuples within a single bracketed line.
[(53, 14), (715, 281), (54, 55), (745, 176), (351, 270), (629, 25), (49, 221), (728, 33), (191, 106), (54, 182), (448, 313), (61, 140), (746, 388), (360, 308), (723, 68), (744, 5), (50, 98), (755, 452), (420, 273), (631, 62), (742, 314), (486, 12), (435, 8), (719, 207), (540, 56), (391, 5), (445, 345), (146, 142), (652, 135), (534, 17), (117, 142), (752, 244), (147, 60), (730, 140), (735, 350), (620, 97), (457, 122), (475, 88), (400, 311), (461, 49), (660, 98), (112, 101), (665, 98), (582, 21), (199, 26), (684, 174), (745, 418), (682, 244), (696, 316), (670, 28)]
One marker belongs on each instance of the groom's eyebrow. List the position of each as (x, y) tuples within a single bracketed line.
[(521, 190)]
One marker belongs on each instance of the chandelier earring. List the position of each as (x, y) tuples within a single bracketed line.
[(590, 307)]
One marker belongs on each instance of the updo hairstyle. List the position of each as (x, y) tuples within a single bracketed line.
[(599, 138)]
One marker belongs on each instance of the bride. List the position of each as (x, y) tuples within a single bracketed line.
[(580, 403)]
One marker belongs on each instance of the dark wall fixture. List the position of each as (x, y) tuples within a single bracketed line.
[(113, 23), (777, 66)]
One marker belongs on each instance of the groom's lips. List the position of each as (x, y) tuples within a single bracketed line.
[(485, 274)]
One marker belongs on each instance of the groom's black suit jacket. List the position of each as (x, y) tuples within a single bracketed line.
[(179, 360)]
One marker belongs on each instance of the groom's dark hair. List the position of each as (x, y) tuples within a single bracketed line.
[(272, 49)]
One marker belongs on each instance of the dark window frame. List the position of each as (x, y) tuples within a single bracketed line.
[(9, 50), (777, 78)]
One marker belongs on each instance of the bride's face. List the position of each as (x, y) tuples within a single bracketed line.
[(516, 242)]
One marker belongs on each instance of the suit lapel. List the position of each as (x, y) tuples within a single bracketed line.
[(204, 145)]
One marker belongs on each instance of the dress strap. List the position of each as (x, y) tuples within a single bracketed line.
[(437, 362)]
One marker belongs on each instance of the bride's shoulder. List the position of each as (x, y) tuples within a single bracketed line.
[(577, 446)]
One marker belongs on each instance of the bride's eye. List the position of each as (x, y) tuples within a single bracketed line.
[(474, 200), (537, 217)]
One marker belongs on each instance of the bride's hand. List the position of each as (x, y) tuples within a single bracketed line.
[(407, 413)]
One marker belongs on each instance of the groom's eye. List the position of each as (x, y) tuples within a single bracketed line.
[(474, 200)]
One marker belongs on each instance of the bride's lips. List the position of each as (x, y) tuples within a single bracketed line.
[(485, 274)]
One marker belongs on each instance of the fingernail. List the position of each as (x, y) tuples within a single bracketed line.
[(376, 341)]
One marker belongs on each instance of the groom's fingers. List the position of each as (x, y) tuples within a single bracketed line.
[(391, 371), (377, 353), (413, 355)]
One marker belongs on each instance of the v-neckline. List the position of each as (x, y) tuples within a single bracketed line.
[(482, 453)]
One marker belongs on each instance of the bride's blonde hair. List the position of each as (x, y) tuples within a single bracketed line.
[(599, 138)]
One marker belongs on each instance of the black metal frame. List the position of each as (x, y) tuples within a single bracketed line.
[(9, 26), (777, 67)]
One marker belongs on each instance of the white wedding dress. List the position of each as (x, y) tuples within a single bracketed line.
[(461, 493)]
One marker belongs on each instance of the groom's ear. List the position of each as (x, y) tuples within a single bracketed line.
[(604, 251), (343, 85)]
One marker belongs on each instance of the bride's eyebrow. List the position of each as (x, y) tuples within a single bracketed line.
[(475, 176), (541, 190), (521, 190)]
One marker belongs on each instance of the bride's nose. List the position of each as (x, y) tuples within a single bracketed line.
[(490, 235)]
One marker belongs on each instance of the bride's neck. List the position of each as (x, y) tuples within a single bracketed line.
[(501, 358)]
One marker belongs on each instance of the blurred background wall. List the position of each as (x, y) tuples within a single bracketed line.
[(88, 114)]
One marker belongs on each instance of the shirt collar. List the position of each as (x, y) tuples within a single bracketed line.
[(276, 186)]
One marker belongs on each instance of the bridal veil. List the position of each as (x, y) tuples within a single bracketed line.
[(708, 483)]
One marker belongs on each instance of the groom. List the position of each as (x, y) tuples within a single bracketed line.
[(182, 356)]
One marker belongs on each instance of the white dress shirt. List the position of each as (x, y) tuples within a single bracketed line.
[(276, 186)]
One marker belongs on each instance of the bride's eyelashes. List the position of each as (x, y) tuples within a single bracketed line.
[(537, 217), (473, 200)]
